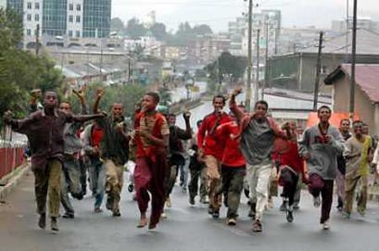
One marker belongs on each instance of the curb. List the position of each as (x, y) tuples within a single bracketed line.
[(13, 180)]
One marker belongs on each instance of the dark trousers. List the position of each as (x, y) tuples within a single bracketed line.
[(232, 185), (150, 177), (318, 186), (197, 172), (83, 175), (289, 179)]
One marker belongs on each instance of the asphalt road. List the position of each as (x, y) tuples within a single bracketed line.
[(187, 228)]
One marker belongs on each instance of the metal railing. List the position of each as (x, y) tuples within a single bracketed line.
[(11, 156)]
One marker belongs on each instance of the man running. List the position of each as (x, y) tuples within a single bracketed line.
[(319, 146)]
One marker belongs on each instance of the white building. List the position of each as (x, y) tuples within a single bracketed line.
[(32, 17), (75, 18)]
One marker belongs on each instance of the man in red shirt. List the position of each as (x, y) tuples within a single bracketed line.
[(211, 151), (151, 138), (233, 169)]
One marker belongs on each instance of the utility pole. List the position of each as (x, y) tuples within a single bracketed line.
[(266, 60), (353, 56), (249, 57), (256, 89), (318, 69), (37, 40)]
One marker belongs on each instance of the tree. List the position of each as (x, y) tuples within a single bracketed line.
[(159, 31), (21, 71), (135, 29), (202, 29), (117, 25)]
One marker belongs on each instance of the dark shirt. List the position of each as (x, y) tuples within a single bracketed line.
[(45, 134), (114, 146)]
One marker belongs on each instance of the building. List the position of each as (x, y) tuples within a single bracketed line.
[(297, 71), (341, 26), (3, 4), (64, 18), (366, 93)]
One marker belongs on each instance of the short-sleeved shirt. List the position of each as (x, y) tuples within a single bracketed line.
[(45, 134), (155, 125)]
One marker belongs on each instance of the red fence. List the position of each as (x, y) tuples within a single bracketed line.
[(10, 159)]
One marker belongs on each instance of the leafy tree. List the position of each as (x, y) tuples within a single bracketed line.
[(135, 29), (202, 29), (159, 31), (117, 25)]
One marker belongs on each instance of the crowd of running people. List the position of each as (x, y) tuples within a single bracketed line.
[(226, 155)]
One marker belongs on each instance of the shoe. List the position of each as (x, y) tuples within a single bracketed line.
[(54, 224), (97, 210), (116, 213), (42, 221), (339, 208), (289, 216), (362, 213), (326, 225), (68, 216), (257, 226), (283, 206), (164, 216), (109, 204), (296, 206), (270, 203), (130, 188), (231, 221), (191, 200), (168, 202), (346, 215), (216, 214), (203, 200), (316, 201)]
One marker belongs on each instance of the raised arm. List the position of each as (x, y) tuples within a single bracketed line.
[(233, 106), (99, 95), (81, 94)]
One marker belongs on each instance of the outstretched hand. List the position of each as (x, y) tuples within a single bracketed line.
[(100, 92), (237, 91)]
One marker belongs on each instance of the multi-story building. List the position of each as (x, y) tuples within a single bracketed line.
[(341, 26), (3, 4), (64, 18)]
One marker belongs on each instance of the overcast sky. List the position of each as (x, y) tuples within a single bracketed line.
[(217, 13)]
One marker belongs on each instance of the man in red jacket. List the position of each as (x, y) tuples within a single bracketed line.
[(233, 169), (211, 151)]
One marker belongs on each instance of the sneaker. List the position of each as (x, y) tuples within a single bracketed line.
[(362, 213), (191, 200), (289, 216), (296, 206), (203, 200), (116, 213), (42, 221), (109, 204), (346, 215), (97, 210), (326, 225), (231, 221), (257, 226), (168, 202), (163, 215), (216, 214), (130, 188), (283, 206), (54, 224), (316, 201), (68, 215)]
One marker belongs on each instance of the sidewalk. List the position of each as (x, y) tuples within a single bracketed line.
[(10, 181)]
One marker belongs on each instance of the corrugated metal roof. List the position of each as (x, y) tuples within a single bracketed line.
[(367, 44), (367, 78)]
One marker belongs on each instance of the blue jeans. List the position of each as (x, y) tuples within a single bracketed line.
[(97, 180)]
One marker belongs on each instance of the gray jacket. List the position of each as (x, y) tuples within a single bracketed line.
[(323, 156)]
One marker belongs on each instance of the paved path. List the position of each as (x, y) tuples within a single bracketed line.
[(187, 228)]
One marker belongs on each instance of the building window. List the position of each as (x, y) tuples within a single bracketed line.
[(36, 6), (70, 6), (70, 19), (29, 17), (78, 7), (70, 33), (28, 32), (36, 17), (77, 34), (78, 19), (29, 5)]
